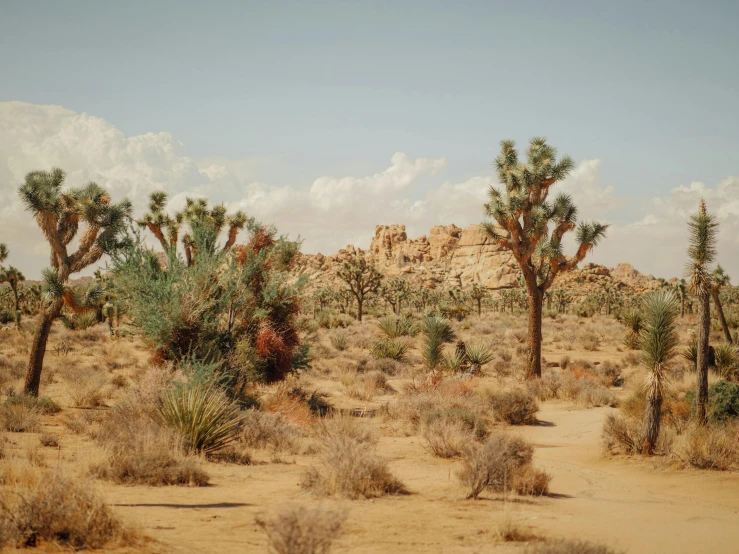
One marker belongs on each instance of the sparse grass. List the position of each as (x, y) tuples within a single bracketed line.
[(85, 387), (19, 418), (369, 385), (61, 511), (571, 547), (302, 529), (509, 530), (49, 440), (351, 469), (264, 430)]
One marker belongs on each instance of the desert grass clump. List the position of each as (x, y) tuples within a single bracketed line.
[(302, 529), (42, 405), (19, 418), (85, 387), (447, 439), (516, 406), (369, 385), (205, 419), (532, 482), (59, 511), (351, 469), (494, 464), (393, 349), (49, 440), (347, 426), (621, 435), (339, 341), (147, 455), (714, 447), (270, 431), (509, 530)]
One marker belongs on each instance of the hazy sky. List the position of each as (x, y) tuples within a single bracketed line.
[(326, 118)]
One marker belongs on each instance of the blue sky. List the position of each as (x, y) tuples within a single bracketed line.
[(303, 90)]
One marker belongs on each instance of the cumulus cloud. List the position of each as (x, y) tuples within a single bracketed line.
[(330, 211)]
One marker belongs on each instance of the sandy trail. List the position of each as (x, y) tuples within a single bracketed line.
[(628, 504)]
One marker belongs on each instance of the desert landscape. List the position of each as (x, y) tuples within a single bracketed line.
[(369, 277)]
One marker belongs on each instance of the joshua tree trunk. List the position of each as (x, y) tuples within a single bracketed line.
[(533, 369), (38, 349), (721, 318), (17, 312), (479, 307), (652, 419), (359, 308), (704, 326)]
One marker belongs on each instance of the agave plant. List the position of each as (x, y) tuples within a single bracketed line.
[(205, 419)]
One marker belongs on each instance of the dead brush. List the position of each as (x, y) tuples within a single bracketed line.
[(446, 439), (715, 447), (302, 529), (351, 469), (347, 426), (59, 511), (270, 431), (370, 385), (516, 406), (85, 387), (19, 418)]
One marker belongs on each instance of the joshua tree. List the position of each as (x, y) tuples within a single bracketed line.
[(60, 214), (524, 217), (13, 277), (361, 279), (702, 251), (681, 290), (478, 293), (658, 343), (3, 252), (720, 279), (166, 229)]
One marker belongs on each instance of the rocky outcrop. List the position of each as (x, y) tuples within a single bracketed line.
[(452, 257)]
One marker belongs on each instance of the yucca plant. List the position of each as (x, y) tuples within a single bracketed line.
[(658, 343), (702, 252), (204, 418), (727, 359), (394, 327), (453, 360), (436, 332), (393, 349), (478, 354), (634, 321)]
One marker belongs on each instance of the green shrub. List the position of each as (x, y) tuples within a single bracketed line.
[(394, 327), (393, 349), (202, 416), (339, 341)]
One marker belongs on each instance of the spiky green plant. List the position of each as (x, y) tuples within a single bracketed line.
[(532, 227), (727, 359), (453, 360), (478, 354), (339, 341), (436, 332), (393, 349), (634, 321), (658, 343), (394, 327), (205, 419), (702, 252)]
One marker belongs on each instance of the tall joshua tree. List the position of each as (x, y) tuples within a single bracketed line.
[(478, 293), (61, 215), (166, 229), (361, 278), (13, 277), (702, 251), (658, 343), (720, 279), (531, 226)]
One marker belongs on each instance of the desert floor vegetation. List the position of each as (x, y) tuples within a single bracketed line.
[(437, 455)]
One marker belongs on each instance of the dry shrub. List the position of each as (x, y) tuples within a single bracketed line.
[(85, 387), (564, 363), (19, 418), (75, 423), (517, 406), (290, 401), (590, 341), (119, 381), (713, 447), (61, 511), (347, 426), (446, 439), (422, 409), (532, 482), (370, 385), (264, 430), (622, 436), (494, 464), (352, 469), (593, 396), (676, 409), (49, 440), (302, 529), (571, 547)]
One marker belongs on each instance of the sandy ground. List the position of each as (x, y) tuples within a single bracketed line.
[(627, 504)]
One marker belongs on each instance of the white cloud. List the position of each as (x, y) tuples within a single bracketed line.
[(328, 212)]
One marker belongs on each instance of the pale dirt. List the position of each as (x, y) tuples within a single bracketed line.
[(628, 504)]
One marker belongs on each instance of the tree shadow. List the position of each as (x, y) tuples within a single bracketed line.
[(542, 423), (181, 506)]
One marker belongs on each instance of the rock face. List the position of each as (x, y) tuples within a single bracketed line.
[(452, 257)]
